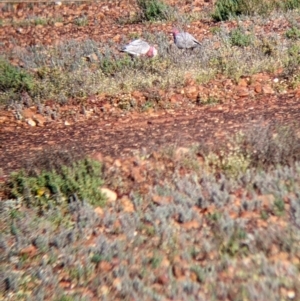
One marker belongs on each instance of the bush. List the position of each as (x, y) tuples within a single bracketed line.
[(226, 9), (13, 78), (269, 146), (50, 188), (231, 8), (153, 10), (239, 38), (293, 33)]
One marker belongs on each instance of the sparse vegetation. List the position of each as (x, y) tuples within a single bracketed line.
[(239, 38), (157, 233), (13, 79), (48, 189), (210, 222), (225, 9), (153, 10)]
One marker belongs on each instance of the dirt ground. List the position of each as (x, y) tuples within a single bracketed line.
[(120, 135)]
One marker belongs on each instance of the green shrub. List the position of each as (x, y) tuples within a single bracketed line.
[(51, 188), (239, 38), (225, 9), (81, 21), (293, 33), (153, 10), (13, 78), (110, 65)]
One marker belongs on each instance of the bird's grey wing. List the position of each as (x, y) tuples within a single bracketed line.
[(193, 39), (186, 40), (137, 47)]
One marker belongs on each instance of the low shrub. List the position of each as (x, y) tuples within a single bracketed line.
[(225, 9), (50, 188), (153, 10), (13, 78)]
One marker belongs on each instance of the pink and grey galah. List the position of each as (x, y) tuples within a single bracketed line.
[(184, 40), (140, 48)]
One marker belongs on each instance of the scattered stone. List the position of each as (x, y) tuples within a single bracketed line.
[(181, 151), (28, 112), (242, 91), (163, 279), (117, 284), (67, 123), (178, 271), (291, 294), (191, 225), (257, 88), (105, 266), (31, 122), (30, 250), (39, 119), (136, 175), (191, 92), (92, 57), (58, 24), (99, 211), (127, 204), (243, 82), (97, 157), (267, 89), (267, 200), (161, 200), (111, 195)]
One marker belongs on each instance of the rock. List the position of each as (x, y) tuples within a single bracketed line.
[(127, 204), (105, 266), (3, 119), (31, 122), (181, 151), (92, 57), (136, 175), (257, 88), (176, 98), (191, 92), (161, 200), (163, 279), (242, 92), (39, 119), (267, 89), (30, 250), (178, 271), (99, 211), (97, 157), (291, 294), (267, 200), (28, 113), (191, 225), (117, 284), (58, 24), (111, 195), (242, 82)]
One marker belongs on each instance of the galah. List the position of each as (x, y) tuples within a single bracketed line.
[(140, 48), (184, 40)]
